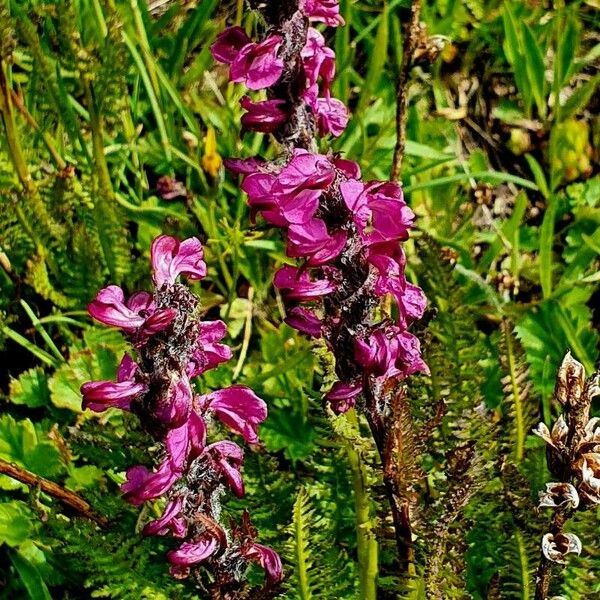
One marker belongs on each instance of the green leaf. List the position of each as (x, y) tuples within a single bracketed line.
[(546, 247), (510, 45), (15, 523), (580, 98), (567, 46), (23, 443), (377, 62), (538, 175), (515, 54), (30, 577), (96, 359), (30, 389), (425, 151), (84, 477), (534, 60), (507, 232)]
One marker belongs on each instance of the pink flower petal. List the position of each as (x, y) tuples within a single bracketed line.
[(192, 553)]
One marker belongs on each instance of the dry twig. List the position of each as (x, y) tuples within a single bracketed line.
[(68, 498)]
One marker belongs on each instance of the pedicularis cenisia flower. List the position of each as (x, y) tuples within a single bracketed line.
[(346, 231), (172, 346)]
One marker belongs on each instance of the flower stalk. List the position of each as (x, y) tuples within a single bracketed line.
[(172, 347), (345, 231), (573, 456)]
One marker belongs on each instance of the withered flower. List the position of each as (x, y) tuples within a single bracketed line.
[(557, 437), (573, 456), (570, 381), (559, 494), (556, 547)]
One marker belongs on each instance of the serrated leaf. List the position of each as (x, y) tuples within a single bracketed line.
[(98, 360), (22, 443), (30, 389), (15, 523), (84, 477)]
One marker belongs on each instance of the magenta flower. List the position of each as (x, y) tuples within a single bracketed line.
[(171, 521), (292, 195), (379, 352), (137, 314), (171, 258), (182, 444), (325, 11), (100, 395), (239, 408), (389, 261), (305, 321), (348, 168), (312, 240), (298, 285), (173, 345), (378, 207), (257, 65), (209, 353), (228, 44), (318, 61), (331, 114), (191, 553), (227, 459), (267, 558), (173, 407), (244, 166), (409, 355), (342, 396), (306, 170), (265, 116), (143, 485)]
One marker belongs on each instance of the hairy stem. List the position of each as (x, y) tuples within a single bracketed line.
[(408, 50), (389, 439), (66, 497)]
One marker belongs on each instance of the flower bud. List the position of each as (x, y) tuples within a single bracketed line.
[(570, 381)]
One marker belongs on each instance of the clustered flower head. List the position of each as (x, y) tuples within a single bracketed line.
[(573, 454), (345, 231), (173, 346)]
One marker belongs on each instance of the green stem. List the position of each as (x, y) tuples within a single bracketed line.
[(102, 171), (12, 137), (142, 39), (519, 419), (366, 542)]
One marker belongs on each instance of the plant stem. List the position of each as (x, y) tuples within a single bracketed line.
[(103, 174), (60, 163), (544, 571), (68, 498), (408, 50), (366, 542), (516, 393), (390, 439), (12, 137)]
